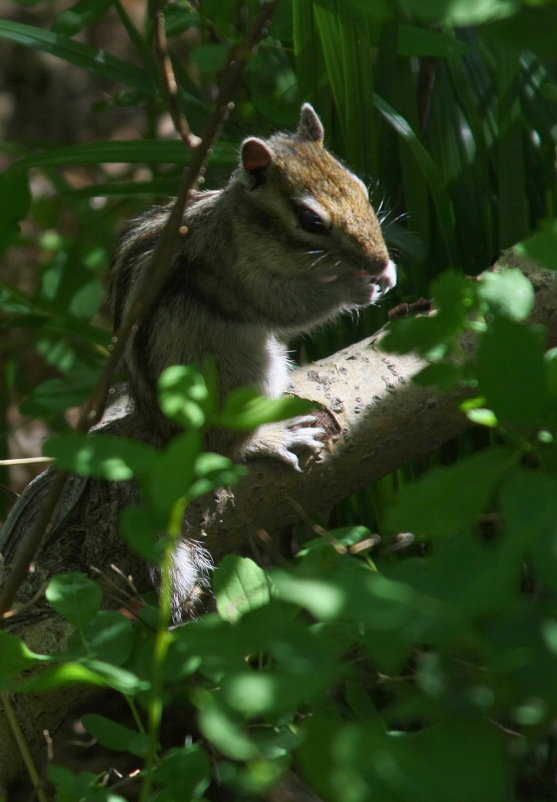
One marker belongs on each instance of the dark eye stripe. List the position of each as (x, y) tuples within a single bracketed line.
[(310, 221)]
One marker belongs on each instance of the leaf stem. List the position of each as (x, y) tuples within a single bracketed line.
[(23, 748)]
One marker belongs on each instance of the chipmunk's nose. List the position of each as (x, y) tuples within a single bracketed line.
[(387, 278)]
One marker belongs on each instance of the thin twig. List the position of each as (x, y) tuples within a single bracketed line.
[(154, 280), (28, 604), (25, 461), (23, 748), (169, 83), (316, 528)]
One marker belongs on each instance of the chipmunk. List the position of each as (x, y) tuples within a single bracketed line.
[(289, 243)]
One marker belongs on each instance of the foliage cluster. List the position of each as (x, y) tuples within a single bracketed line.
[(418, 675)]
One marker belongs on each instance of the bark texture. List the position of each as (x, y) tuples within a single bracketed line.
[(381, 420)]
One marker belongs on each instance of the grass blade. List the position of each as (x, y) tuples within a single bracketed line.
[(89, 58)]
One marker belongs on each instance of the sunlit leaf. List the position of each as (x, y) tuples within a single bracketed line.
[(239, 585), (74, 596), (116, 736)]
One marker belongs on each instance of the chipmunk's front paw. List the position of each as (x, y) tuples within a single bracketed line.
[(282, 439)]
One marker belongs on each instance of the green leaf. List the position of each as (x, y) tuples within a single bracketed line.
[(86, 672), (541, 246), (245, 409), (432, 336), (415, 41), (389, 613), (109, 636), (430, 171), (184, 772), (223, 728), (264, 693), (179, 20), (143, 529), (344, 536), (213, 471), (15, 200), (171, 473), (184, 396), (83, 786), (74, 596), (102, 456), (508, 293), (211, 57), (352, 762), (81, 14), (239, 585), (550, 360), (482, 416), (16, 656), (529, 505), (96, 61), (442, 375), (461, 13), (134, 151), (115, 736), (58, 395), (449, 500), (511, 372)]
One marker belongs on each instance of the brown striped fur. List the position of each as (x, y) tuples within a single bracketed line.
[(248, 273)]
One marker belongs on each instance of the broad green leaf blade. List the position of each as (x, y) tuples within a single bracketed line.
[(508, 293), (346, 49), (116, 736), (172, 472), (416, 41), (245, 410), (81, 14), (133, 151), (213, 471), (103, 456), (430, 170), (512, 201), (90, 672), (511, 372), (448, 500), (110, 636), (541, 246), (529, 505), (459, 13), (97, 61), (15, 200), (184, 396), (239, 585), (16, 656), (185, 772), (142, 529), (307, 49), (85, 785), (74, 596), (223, 729), (264, 693), (58, 395)]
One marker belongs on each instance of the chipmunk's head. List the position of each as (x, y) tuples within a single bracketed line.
[(312, 205)]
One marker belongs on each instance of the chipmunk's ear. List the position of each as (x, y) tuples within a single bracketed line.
[(255, 155), (256, 159), (310, 127)]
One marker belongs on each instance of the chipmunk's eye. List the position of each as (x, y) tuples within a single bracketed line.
[(310, 221)]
